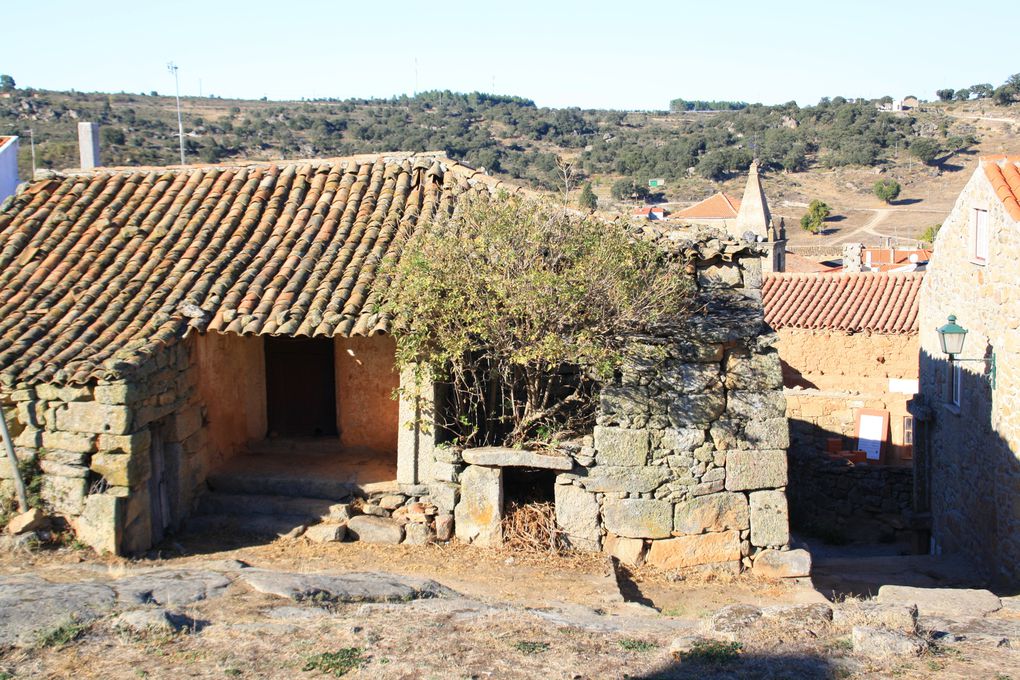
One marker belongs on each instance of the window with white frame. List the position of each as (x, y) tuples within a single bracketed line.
[(979, 236), (953, 377)]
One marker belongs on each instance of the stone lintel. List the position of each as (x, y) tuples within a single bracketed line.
[(499, 456)]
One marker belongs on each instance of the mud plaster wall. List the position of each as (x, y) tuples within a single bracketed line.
[(366, 380), (830, 376), (232, 385)]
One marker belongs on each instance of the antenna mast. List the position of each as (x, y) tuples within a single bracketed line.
[(172, 68)]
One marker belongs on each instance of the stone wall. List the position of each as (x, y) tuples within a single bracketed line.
[(840, 502), (95, 445), (972, 465), (687, 463)]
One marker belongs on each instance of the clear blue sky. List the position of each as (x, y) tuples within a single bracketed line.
[(629, 55)]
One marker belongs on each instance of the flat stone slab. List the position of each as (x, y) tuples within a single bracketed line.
[(884, 644), (170, 588), (354, 587), (31, 606), (950, 602), (499, 456)]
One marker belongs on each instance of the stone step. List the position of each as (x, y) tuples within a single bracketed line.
[(219, 503), (250, 525), (280, 485)]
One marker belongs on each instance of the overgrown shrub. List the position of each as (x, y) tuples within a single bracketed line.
[(521, 307)]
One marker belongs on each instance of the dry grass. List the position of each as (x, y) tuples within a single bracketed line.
[(531, 528)]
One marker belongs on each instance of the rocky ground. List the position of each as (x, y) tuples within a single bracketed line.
[(294, 609)]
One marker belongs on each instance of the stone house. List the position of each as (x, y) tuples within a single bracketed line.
[(182, 338), (969, 458), (849, 346)]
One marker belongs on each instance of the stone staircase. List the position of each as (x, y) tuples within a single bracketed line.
[(263, 500)]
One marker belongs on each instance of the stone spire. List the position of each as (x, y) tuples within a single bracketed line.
[(754, 215)]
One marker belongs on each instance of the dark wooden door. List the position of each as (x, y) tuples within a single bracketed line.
[(300, 387)]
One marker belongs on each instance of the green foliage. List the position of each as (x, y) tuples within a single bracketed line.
[(635, 645), (962, 94), (925, 149), (531, 647), (711, 652), (500, 296), (887, 189), (6, 83), (982, 90), (64, 634), (929, 234), (588, 200), (338, 663), (814, 219), (112, 135), (629, 189), (945, 95), (679, 105)]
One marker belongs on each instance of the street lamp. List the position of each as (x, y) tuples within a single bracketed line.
[(951, 337)]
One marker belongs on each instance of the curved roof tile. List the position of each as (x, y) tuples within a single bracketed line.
[(880, 302), (99, 269)]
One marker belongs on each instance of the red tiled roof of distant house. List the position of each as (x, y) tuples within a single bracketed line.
[(1004, 174), (802, 265), (884, 259), (876, 302), (100, 268), (716, 207)]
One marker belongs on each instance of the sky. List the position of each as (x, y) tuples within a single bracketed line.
[(622, 55)]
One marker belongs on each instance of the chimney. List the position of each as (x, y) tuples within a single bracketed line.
[(853, 255), (88, 145)]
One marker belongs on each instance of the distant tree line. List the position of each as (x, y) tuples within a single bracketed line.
[(681, 105), (1004, 95), (503, 134)]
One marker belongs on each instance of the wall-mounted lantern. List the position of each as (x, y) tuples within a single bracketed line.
[(951, 337)]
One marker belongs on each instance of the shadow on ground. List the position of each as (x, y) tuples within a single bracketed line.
[(750, 666)]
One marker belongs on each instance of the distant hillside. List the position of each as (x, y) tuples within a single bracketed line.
[(505, 135)]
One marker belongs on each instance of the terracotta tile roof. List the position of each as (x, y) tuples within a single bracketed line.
[(716, 207), (882, 258), (1004, 174), (802, 265), (883, 303), (99, 269)]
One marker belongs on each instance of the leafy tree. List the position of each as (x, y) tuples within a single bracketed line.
[(588, 200), (887, 189), (6, 83), (545, 308), (925, 149), (930, 233), (628, 189), (982, 90), (962, 95), (814, 219), (112, 136), (1004, 95), (945, 95)]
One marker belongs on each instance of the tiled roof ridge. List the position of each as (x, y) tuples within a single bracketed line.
[(1004, 176), (99, 270), (875, 302)]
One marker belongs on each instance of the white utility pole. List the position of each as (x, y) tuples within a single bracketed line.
[(172, 67), (31, 140)]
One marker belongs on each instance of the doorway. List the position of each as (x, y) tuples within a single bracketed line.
[(300, 387)]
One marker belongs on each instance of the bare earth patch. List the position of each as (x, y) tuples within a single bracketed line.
[(504, 616)]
